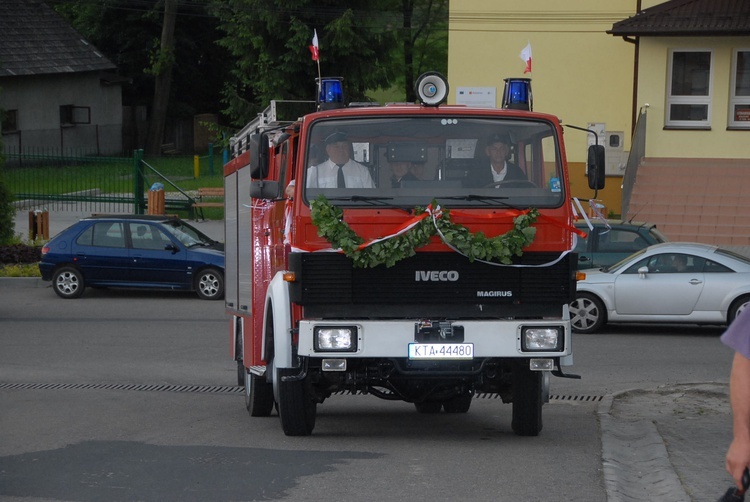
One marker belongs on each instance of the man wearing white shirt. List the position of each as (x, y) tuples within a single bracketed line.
[(495, 168), (339, 171)]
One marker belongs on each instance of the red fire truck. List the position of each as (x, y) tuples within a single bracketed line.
[(371, 249)]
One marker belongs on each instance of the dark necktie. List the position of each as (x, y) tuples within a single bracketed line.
[(341, 181)]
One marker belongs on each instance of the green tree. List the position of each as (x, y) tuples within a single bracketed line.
[(268, 41), (424, 41), (129, 34)]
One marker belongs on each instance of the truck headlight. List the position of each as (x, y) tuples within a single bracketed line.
[(335, 338), (542, 339)]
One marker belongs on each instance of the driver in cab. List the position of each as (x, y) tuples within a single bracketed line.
[(495, 168)]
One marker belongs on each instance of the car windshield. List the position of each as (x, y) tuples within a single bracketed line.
[(409, 161), (186, 234)]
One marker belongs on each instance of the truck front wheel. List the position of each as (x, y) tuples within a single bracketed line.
[(258, 395), (297, 407), (527, 400)]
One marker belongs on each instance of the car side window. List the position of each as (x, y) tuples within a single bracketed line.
[(621, 241), (633, 269), (144, 236), (581, 243), (712, 267), (103, 234)]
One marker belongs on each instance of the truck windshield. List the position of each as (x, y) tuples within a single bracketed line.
[(409, 161)]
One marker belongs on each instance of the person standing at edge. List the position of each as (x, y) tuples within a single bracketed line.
[(737, 336)]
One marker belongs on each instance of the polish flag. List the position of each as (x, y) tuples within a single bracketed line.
[(526, 56), (314, 47)]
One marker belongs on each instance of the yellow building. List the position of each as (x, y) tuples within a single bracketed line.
[(679, 70), (579, 72)]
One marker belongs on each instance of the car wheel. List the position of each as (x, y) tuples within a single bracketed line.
[(740, 304), (587, 313), (210, 284), (68, 282)]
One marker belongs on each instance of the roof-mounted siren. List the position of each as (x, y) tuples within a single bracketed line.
[(432, 88), (517, 94), (330, 93)]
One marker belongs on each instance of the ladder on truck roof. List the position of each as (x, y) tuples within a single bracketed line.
[(278, 112)]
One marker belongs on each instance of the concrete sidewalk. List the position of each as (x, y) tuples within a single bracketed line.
[(666, 444)]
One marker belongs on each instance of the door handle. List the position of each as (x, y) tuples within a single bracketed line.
[(695, 281)]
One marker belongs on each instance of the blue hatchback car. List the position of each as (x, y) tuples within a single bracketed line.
[(133, 251)]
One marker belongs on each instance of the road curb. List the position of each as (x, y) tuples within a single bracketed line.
[(635, 460), (22, 282)]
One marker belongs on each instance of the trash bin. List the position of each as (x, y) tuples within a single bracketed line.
[(39, 224), (156, 201)]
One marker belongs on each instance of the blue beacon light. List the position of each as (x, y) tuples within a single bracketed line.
[(517, 94), (330, 93)]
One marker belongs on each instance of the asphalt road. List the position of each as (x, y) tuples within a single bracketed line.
[(128, 395)]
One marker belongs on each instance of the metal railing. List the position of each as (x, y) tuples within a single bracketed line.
[(81, 181)]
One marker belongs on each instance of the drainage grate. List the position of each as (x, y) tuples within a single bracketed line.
[(552, 397), (211, 389), (202, 389)]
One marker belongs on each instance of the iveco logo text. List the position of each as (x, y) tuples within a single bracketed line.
[(436, 275), (494, 294)]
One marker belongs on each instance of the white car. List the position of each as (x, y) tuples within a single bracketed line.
[(674, 282)]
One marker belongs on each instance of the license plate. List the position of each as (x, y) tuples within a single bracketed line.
[(441, 350)]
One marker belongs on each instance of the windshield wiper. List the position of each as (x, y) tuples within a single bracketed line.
[(487, 199), (372, 200), (361, 198)]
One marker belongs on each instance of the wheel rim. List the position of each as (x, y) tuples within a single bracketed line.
[(67, 283), (209, 284), (585, 313), (741, 308)]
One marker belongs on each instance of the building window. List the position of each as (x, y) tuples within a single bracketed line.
[(72, 115), (739, 101), (9, 121), (689, 89)]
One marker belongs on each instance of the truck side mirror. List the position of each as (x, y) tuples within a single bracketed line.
[(595, 167), (264, 189), (257, 144)]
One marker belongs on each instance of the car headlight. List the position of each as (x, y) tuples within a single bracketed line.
[(542, 339), (335, 338)]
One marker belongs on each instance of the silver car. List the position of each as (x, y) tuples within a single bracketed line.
[(674, 282)]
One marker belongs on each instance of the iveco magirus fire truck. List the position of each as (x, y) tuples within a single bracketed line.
[(370, 250)]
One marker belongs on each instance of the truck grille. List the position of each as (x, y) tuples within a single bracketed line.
[(443, 284)]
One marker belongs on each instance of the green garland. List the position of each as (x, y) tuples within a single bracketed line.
[(502, 248)]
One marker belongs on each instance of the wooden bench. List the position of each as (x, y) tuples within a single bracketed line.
[(210, 193)]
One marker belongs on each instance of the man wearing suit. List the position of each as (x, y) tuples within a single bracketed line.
[(496, 168)]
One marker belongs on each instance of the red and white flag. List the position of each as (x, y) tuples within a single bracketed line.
[(526, 56), (314, 47)]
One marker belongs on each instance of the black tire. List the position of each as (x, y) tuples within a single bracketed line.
[(428, 407), (297, 408), (458, 404), (258, 395), (209, 284), (527, 400), (587, 313), (740, 304), (68, 282)]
